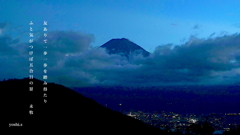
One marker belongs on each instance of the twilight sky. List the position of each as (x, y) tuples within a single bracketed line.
[(205, 34)]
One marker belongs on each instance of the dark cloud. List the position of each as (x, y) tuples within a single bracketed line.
[(11, 61), (7, 45), (196, 26), (62, 43), (212, 34), (68, 41), (223, 33), (73, 62), (174, 24), (3, 26), (59, 45)]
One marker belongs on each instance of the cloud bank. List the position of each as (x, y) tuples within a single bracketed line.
[(74, 63)]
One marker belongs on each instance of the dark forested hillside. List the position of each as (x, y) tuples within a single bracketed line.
[(65, 110)]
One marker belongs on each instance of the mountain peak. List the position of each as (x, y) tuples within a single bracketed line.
[(124, 47)]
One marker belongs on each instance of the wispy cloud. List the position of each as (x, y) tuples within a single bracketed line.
[(236, 25)]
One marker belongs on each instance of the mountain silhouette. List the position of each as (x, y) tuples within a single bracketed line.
[(65, 110), (124, 47)]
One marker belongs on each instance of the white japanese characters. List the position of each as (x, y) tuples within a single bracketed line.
[(45, 77), (31, 36), (31, 63)]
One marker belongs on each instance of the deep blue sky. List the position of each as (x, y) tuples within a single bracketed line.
[(205, 34), (149, 23)]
